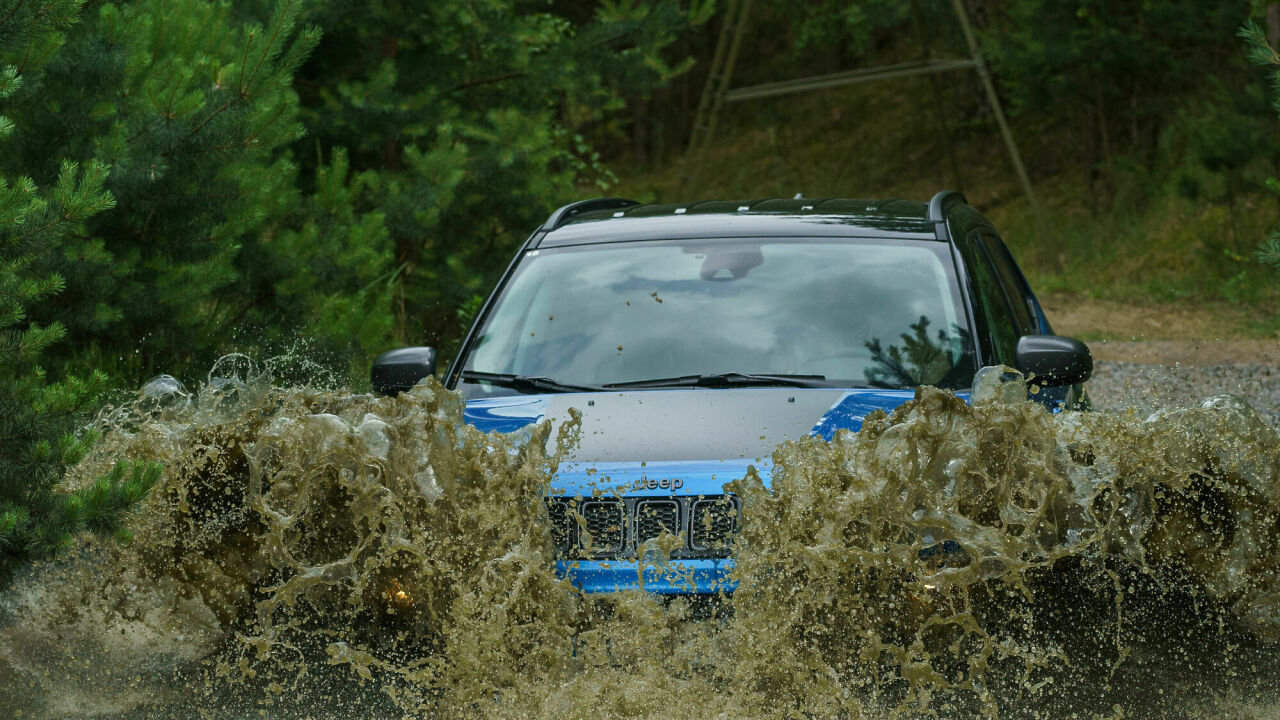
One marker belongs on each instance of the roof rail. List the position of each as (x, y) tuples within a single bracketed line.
[(937, 206), (572, 210)]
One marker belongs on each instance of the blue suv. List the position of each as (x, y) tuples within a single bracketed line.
[(694, 338)]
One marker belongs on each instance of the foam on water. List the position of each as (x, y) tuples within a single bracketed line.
[(316, 553)]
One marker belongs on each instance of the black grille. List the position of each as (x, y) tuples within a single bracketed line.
[(654, 516), (713, 522), (601, 530), (561, 530)]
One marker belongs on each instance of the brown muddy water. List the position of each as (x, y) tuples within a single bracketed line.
[(321, 554)]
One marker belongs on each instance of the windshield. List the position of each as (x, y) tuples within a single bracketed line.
[(857, 313)]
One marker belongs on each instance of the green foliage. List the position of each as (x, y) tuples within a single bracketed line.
[(473, 117), (1261, 53), (1122, 73), (1124, 57), (450, 129), (1269, 253), (830, 24), (1227, 133), (38, 417), (191, 108), (329, 270)]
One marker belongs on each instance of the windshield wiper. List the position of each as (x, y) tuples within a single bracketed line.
[(726, 380), (525, 382)]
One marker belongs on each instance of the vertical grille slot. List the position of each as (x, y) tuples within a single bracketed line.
[(601, 529), (561, 531), (654, 516), (712, 522)]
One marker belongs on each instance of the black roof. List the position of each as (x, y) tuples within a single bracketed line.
[(774, 217)]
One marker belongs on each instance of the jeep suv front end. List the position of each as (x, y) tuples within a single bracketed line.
[(694, 339)]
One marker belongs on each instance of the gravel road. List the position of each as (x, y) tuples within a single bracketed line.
[(1117, 386)]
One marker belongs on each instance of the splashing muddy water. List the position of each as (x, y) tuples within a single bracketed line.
[(315, 553)]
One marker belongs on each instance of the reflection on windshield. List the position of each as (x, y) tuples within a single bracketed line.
[(627, 312), (920, 360)]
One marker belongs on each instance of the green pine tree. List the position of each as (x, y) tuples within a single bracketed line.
[(191, 105), (38, 416), (449, 129), (1261, 53), (325, 273), (472, 117)]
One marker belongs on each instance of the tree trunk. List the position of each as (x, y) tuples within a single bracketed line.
[(1095, 162), (1104, 136), (1273, 23), (391, 148), (640, 131)]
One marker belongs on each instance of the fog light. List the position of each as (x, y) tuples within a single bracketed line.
[(397, 595)]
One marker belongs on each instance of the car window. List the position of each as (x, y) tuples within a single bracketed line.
[(865, 313), (1001, 324), (1012, 281)]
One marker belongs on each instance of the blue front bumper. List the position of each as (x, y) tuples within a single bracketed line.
[(680, 576)]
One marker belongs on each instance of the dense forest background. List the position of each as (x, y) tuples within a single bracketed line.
[(180, 179)]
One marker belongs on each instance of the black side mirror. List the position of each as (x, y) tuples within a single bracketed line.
[(1054, 360), (395, 371)]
